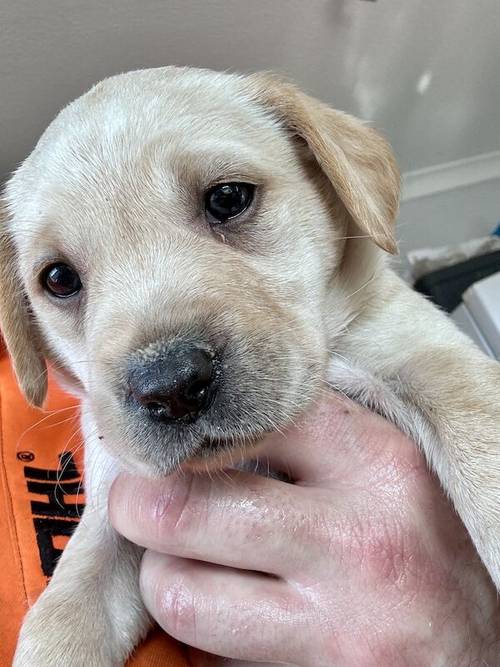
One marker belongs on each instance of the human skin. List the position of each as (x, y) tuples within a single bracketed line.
[(361, 562)]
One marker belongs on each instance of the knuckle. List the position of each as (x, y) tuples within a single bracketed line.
[(177, 509), (381, 548), (388, 556)]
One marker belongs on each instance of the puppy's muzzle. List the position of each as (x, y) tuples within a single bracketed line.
[(175, 385)]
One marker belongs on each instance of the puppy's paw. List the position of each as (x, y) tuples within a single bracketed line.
[(64, 635)]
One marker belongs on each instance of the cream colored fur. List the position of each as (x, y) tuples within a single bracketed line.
[(298, 285)]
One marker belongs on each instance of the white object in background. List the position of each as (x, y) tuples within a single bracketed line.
[(481, 305), (424, 260)]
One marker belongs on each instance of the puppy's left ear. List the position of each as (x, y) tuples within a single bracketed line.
[(357, 160), (16, 323)]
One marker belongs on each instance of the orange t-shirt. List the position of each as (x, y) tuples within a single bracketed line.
[(40, 504)]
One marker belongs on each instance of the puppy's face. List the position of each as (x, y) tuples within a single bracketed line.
[(176, 244)]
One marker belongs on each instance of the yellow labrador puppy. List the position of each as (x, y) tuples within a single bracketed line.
[(198, 253)]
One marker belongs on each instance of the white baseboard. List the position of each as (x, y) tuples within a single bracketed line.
[(451, 175)]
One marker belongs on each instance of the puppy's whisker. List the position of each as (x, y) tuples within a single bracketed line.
[(49, 414), (358, 236), (364, 286), (61, 472)]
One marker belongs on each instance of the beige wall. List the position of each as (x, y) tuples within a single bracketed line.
[(425, 71)]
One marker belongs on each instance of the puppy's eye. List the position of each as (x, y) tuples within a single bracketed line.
[(228, 200), (61, 280)]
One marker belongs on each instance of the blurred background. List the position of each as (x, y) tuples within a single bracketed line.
[(425, 72)]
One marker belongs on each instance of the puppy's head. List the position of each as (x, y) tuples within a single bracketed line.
[(172, 244)]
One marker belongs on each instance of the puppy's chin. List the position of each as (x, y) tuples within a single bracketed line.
[(213, 456), (206, 457)]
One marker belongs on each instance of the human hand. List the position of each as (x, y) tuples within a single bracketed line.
[(360, 563)]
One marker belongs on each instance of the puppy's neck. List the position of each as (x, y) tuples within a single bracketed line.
[(354, 284)]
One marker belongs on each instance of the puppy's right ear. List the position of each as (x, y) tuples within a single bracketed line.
[(16, 322)]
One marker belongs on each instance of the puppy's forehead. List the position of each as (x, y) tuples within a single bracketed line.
[(158, 119)]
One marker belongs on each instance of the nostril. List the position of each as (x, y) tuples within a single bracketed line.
[(152, 406), (177, 385), (198, 388)]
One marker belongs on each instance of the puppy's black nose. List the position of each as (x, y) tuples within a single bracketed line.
[(174, 385)]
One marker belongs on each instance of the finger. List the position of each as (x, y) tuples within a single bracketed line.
[(336, 440), (245, 521), (226, 612)]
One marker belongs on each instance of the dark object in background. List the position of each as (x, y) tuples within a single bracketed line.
[(445, 286)]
